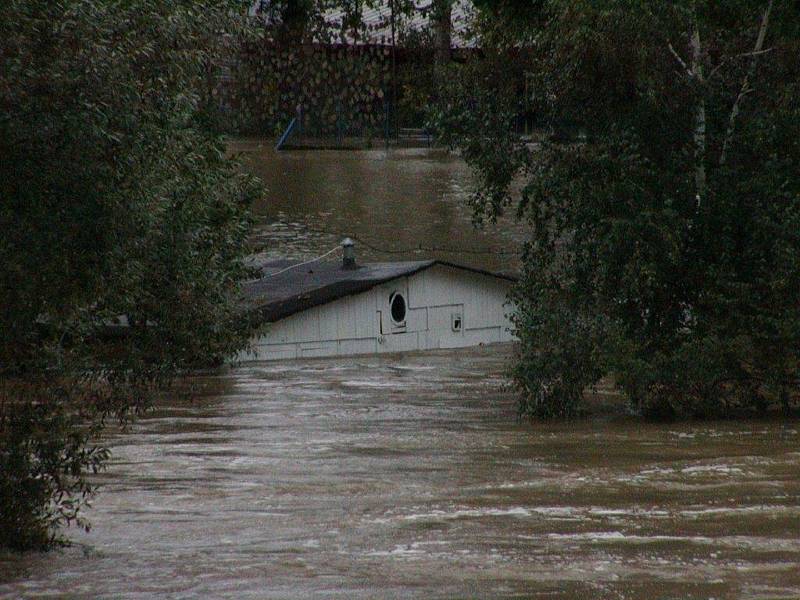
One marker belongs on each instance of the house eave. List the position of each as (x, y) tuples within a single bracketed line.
[(270, 312)]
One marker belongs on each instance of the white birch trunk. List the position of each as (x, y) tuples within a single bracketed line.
[(700, 117)]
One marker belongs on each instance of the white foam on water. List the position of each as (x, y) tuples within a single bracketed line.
[(737, 542), (771, 509), (517, 511), (369, 384), (713, 469)]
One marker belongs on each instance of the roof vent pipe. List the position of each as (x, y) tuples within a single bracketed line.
[(348, 253)]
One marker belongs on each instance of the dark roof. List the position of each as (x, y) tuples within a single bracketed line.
[(281, 293)]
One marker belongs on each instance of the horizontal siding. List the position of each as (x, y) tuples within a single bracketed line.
[(361, 324)]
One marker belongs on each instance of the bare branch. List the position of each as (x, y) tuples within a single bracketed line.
[(726, 59), (756, 52), (716, 69), (751, 71), (681, 62)]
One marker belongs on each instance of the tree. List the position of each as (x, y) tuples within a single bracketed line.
[(124, 227), (441, 19), (663, 210)]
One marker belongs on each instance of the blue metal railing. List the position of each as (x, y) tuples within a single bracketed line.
[(286, 134)]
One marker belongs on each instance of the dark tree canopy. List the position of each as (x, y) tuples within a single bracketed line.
[(118, 208), (664, 202)]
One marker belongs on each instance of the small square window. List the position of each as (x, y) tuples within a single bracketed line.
[(455, 322)]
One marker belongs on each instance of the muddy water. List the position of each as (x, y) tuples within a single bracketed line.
[(408, 477), (394, 203)]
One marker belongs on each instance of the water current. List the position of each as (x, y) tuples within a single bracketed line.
[(409, 476)]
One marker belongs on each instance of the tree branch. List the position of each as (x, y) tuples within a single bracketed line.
[(751, 71), (726, 59), (681, 62), (755, 52)]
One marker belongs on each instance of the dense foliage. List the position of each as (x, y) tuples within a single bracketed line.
[(664, 201), (323, 61), (123, 231)]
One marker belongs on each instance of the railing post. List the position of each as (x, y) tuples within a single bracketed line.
[(300, 118), (338, 123), (386, 121)]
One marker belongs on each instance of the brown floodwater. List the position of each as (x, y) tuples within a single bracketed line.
[(409, 476), (392, 202)]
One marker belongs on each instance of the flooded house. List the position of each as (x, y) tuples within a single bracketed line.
[(345, 308)]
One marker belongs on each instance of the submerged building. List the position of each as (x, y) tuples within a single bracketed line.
[(344, 308)]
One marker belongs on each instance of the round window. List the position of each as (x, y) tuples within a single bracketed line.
[(397, 305)]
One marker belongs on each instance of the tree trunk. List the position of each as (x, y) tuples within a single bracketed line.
[(294, 17), (442, 23), (700, 117)]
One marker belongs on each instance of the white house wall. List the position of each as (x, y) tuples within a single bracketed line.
[(361, 324)]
